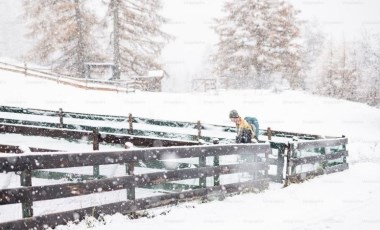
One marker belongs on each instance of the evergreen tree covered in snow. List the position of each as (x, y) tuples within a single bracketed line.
[(137, 36), (313, 43), (339, 74), (63, 34), (369, 57), (258, 38)]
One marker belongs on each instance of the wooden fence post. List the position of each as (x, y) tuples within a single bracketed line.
[(288, 155), (25, 69), (199, 127), (269, 133), (202, 178), (60, 113), (27, 205), (280, 163), (130, 168), (266, 160), (130, 122), (216, 163), (95, 147), (344, 148), (324, 163)]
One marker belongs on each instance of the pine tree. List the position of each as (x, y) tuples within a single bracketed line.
[(369, 56), (348, 74), (257, 38), (137, 35), (313, 43), (327, 85), (63, 33), (339, 73)]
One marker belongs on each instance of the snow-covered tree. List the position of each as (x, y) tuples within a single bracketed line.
[(313, 40), (348, 73), (327, 84), (369, 57), (258, 38), (339, 74), (137, 35), (63, 34)]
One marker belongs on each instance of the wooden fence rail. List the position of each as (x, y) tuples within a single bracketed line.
[(125, 86), (27, 194)]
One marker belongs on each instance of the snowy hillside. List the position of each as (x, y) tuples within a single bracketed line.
[(346, 200)]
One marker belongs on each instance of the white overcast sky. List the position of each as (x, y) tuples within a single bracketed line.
[(190, 22)]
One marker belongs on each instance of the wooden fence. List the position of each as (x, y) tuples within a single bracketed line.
[(144, 137), (93, 84), (130, 121), (318, 156), (27, 194)]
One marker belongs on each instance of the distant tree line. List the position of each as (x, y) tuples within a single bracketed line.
[(263, 45)]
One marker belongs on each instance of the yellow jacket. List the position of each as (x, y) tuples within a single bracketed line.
[(244, 125)]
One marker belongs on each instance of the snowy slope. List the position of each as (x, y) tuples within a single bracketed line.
[(346, 200)]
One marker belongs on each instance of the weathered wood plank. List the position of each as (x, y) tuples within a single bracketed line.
[(10, 149), (317, 159), (33, 161), (321, 143), (336, 168), (82, 134), (16, 149), (51, 175), (300, 135), (126, 207), (10, 196), (299, 177)]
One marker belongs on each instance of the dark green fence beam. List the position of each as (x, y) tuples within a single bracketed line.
[(27, 205)]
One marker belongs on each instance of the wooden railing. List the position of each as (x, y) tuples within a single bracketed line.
[(130, 121), (93, 84), (257, 168)]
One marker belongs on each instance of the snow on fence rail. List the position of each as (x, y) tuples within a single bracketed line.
[(257, 167)]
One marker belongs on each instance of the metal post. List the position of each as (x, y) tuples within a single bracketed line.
[(27, 205), (95, 147)]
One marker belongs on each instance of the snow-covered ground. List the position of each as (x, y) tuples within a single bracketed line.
[(346, 200)]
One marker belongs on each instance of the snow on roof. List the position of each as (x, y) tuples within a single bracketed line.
[(153, 74), (156, 73)]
